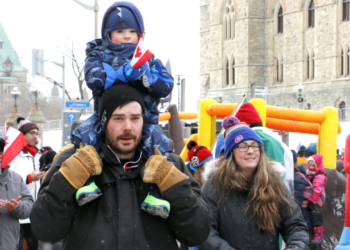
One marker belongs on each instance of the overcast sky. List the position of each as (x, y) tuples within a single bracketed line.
[(172, 29)]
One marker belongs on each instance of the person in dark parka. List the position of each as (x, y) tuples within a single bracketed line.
[(115, 220), (300, 184), (248, 203)]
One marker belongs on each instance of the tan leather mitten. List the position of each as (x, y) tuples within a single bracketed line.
[(79, 167), (161, 172)]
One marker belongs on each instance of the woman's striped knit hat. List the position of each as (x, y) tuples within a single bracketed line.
[(237, 132)]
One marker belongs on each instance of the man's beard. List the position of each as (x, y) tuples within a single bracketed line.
[(118, 148)]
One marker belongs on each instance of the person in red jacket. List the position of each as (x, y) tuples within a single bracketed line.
[(317, 176)]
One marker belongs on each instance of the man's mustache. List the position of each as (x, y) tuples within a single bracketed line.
[(126, 134)]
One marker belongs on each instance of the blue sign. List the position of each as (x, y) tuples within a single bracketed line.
[(71, 117), (68, 134), (77, 104)]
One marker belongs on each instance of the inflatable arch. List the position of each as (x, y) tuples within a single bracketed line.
[(324, 123)]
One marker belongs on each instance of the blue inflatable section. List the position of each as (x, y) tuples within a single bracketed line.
[(344, 243)]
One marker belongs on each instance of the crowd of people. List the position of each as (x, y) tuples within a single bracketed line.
[(125, 188)]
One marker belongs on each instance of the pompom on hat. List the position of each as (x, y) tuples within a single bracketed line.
[(197, 155), (237, 132)]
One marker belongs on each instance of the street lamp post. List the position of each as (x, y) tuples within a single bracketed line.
[(15, 93), (95, 8), (179, 95), (300, 99), (63, 91)]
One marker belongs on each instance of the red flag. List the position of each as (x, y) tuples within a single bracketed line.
[(14, 143), (142, 54)]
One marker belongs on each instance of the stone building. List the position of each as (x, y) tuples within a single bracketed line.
[(279, 45), (12, 73)]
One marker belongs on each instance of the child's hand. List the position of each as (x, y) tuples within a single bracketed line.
[(134, 74), (124, 74)]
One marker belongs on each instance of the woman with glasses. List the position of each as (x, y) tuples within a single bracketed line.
[(250, 208)]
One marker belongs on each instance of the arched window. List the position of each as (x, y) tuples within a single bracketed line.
[(348, 61), (227, 74), (346, 7), (312, 14), (228, 27), (233, 72), (342, 63), (233, 27), (308, 67), (207, 84), (308, 106), (281, 77), (313, 66), (342, 111), (228, 20), (280, 20), (277, 78), (224, 30)]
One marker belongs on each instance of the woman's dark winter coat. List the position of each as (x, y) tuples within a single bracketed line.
[(233, 228)]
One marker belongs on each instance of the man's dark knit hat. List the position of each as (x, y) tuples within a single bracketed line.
[(26, 126), (115, 96), (49, 156), (19, 119)]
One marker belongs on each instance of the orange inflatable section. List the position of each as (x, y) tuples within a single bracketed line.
[(284, 119), (221, 109), (295, 114), (182, 116), (292, 126)]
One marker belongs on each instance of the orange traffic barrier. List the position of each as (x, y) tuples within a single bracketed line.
[(293, 126), (221, 109), (295, 114), (182, 116)]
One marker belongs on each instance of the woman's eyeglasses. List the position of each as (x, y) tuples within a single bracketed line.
[(245, 147)]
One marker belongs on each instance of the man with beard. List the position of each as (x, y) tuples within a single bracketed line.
[(115, 220)]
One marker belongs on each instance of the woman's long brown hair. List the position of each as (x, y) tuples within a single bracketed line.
[(266, 195), (198, 176)]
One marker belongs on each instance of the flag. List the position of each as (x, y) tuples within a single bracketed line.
[(142, 54), (14, 143), (244, 100)]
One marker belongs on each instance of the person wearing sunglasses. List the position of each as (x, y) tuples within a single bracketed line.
[(27, 165), (249, 205)]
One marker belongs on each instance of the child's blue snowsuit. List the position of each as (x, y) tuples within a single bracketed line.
[(97, 76), (104, 67)]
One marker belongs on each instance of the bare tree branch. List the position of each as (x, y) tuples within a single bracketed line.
[(57, 84)]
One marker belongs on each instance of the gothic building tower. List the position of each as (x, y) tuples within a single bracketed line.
[(11, 71), (279, 45)]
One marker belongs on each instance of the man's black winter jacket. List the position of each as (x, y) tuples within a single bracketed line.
[(115, 220)]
